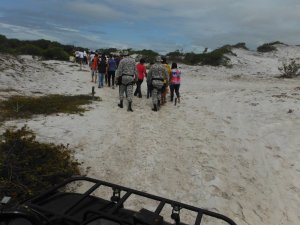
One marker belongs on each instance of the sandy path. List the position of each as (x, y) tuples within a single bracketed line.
[(229, 146)]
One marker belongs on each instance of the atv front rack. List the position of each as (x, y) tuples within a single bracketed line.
[(55, 207)]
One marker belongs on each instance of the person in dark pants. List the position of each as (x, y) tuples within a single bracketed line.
[(157, 75), (149, 86), (126, 76), (141, 74), (102, 70), (112, 66)]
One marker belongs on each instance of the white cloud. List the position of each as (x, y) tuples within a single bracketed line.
[(67, 29), (93, 10), (162, 24), (26, 33)]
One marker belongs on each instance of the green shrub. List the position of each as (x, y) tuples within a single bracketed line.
[(289, 69), (44, 48), (276, 43), (192, 58), (214, 58), (27, 167), (56, 53), (268, 47), (146, 54), (25, 107), (241, 45), (30, 49), (43, 44), (175, 56)]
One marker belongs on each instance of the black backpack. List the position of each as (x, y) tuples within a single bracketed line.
[(102, 65)]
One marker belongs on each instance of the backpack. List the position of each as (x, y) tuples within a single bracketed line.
[(102, 65), (112, 65)]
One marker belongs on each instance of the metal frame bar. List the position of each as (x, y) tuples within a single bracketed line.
[(162, 201)]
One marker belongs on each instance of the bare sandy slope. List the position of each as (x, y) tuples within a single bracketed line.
[(230, 145)]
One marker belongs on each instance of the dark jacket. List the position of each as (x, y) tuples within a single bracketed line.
[(102, 65)]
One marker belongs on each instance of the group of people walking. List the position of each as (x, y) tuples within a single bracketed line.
[(125, 73), (104, 69)]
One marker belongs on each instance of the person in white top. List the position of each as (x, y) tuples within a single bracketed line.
[(85, 58), (80, 59)]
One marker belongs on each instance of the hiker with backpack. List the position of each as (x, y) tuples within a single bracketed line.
[(112, 67), (102, 70), (126, 76), (156, 77)]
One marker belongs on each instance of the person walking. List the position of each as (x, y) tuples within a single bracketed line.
[(141, 74), (112, 67), (81, 59), (102, 70), (165, 87), (149, 86), (94, 67), (126, 75), (175, 82), (156, 77), (85, 58)]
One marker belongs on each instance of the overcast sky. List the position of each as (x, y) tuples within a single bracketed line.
[(160, 25)]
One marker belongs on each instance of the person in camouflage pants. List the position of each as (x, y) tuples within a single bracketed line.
[(126, 76), (156, 77)]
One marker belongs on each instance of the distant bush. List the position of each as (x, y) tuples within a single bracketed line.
[(214, 58), (43, 44), (277, 43), (268, 47), (175, 56), (192, 58), (289, 69), (217, 57), (43, 48), (241, 45), (106, 51), (56, 53), (30, 49), (28, 167), (146, 54)]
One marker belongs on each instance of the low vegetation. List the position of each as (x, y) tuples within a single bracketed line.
[(54, 50), (28, 167), (175, 56), (268, 47), (214, 58), (241, 45), (42, 48), (290, 69), (25, 107), (146, 54)]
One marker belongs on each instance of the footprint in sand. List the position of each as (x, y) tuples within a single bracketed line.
[(209, 176)]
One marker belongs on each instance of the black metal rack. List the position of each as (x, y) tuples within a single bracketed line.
[(73, 208)]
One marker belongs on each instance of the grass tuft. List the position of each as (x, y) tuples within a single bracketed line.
[(25, 107)]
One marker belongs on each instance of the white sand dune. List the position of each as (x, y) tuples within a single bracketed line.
[(230, 145)]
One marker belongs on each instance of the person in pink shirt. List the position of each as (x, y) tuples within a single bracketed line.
[(141, 75), (175, 80)]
